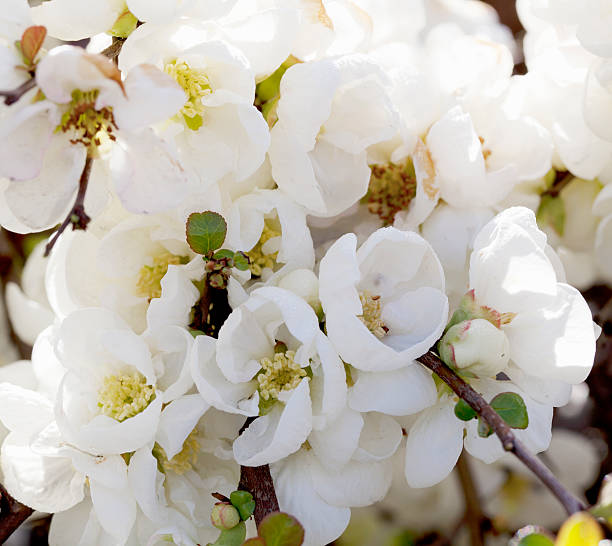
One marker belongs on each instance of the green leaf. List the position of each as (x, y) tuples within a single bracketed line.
[(280, 529), (125, 24), (205, 231), (232, 537), (551, 212), (244, 503), (511, 408), (196, 333), (536, 540), (484, 430), (223, 254), (241, 261), (255, 541), (463, 411)]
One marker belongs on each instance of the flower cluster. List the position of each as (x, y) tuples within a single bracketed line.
[(381, 186)]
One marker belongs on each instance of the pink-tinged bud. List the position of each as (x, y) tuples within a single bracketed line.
[(224, 516), (476, 346)]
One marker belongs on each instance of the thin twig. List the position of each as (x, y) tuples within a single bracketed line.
[(12, 514), (113, 50), (509, 441), (77, 216), (474, 515), (10, 97), (257, 480)]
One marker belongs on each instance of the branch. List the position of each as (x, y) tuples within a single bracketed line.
[(509, 441), (11, 97), (474, 516), (257, 480), (77, 216), (113, 50), (12, 514)]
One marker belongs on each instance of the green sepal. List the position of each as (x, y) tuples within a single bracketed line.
[(232, 537)]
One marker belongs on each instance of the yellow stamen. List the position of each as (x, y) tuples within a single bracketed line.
[(371, 314), (392, 188), (196, 85), (148, 284), (124, 395), (87, 125), (259, 260), (184, 459), (281, 373)]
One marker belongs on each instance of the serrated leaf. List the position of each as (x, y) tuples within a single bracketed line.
[(551, 212), (484, 430), (580, 530), (280, 529), (205, 231), (244, 503), (232, 537), (511, 408), (31, 41), (536, 540), (463, 411)]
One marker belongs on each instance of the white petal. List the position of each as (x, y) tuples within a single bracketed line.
[(115, 509), (397, 392), (380, 438), (279, 433), (177, 420), (335, 444), (434, 444)]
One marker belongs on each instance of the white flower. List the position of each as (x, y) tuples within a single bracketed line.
[(272, 230), (437, 437), (345, 464), (273, 361), (218, 132), (384, 306), (318, 148), (85, 103)]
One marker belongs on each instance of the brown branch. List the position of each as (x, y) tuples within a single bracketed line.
[(11, 97), (474, 515), (257, 480), (77, 216), (113, 50), (509, 441), (12, 514)]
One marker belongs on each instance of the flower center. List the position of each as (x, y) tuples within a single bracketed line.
[(183, 460), (196, 85), (148, 284), (371, 314), (88, 125), (124, 395), (281, 373), (259, 256), (392, 188)]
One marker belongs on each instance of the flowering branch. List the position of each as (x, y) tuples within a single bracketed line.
[(77, 215), (509, 441), (257, 480), (113, 50), (12, 514), (11, 97)]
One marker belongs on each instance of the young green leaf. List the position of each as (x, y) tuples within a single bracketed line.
[(244, 503), (222, 254), (255, 541), (280, 529), (511, 408), (241, 261), (205, 231), (463, 411), (232, 537)]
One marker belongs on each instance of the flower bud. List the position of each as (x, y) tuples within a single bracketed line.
[(476, 346), (224, 516)]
